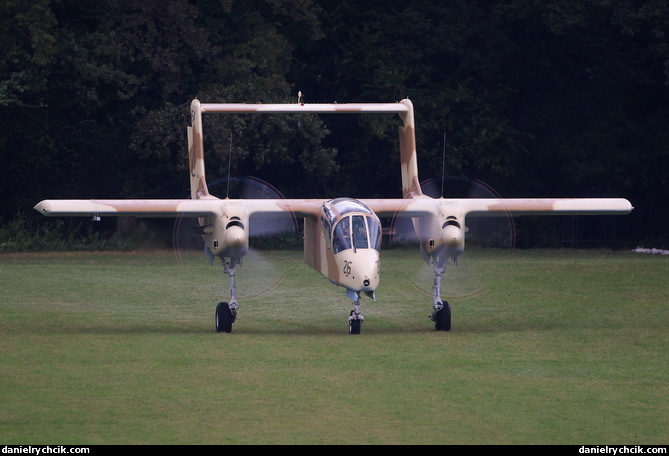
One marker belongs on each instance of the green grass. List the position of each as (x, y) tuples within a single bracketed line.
[(554, 347)]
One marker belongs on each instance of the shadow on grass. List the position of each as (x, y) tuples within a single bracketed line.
[(286, 329)]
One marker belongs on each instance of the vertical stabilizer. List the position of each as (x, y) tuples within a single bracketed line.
[(408, 158), (198, 185)]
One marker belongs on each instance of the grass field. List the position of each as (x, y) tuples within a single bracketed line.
[(552, 347)]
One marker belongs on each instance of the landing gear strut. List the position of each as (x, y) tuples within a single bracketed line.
[(441, 310), (226, 313)]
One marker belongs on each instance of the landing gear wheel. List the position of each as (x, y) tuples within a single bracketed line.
[(224, 318), (354, 323), (442, 320), (354, 326)]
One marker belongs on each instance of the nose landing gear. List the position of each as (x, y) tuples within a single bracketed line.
[(355, 319)]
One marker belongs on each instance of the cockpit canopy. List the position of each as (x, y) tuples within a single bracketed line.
[(356, 231), (348, 224)]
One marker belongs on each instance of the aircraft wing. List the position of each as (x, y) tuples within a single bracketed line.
[(175, 207), (546, 206), (416, 207), (128, 207), (409, 207)]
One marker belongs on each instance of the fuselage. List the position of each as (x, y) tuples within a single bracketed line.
[(353, 233)]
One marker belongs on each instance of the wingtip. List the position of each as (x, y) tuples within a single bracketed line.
[(41, 207)]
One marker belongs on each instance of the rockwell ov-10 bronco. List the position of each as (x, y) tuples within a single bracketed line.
[(342, 236)]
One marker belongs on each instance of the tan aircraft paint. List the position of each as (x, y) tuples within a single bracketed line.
[(196, 153), (317, 253), (220, 219), (408, 158)]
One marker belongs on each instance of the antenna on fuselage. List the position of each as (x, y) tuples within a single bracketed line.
[(443, 166), (227, 191)]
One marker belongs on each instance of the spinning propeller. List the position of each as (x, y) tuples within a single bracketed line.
[(264, 275), (460, 280)]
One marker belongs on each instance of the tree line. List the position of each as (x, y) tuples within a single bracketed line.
[(535, 98)]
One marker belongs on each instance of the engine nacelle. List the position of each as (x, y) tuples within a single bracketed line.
[(226, 235), (235, 237), (443, 233), (452, 237)]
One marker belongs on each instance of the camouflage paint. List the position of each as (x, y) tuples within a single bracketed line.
[(439, 223), (198, 185)]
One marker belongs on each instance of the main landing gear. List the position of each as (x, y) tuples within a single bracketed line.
[(226, 313), (441, 310)]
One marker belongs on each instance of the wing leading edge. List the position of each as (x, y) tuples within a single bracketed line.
[(416, 207), (129, 207), (410, 207), (175, 207)]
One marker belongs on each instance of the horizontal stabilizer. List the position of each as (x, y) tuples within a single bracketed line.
[(306, 108)]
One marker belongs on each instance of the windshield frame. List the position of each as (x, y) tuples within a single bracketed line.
[(356, 231)]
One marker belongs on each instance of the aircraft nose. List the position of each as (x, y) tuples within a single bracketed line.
[(451, 236), (368, 283), (360, 271), (368, 279)]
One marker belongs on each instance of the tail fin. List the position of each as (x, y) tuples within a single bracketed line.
[(408, 159), (198, 185)]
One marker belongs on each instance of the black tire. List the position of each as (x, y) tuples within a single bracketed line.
[(354, 326), (224, 318), (442, 321)]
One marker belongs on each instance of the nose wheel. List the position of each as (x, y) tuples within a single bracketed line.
[(355, 322), (355, 319)]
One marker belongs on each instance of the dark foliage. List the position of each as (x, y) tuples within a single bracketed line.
[(534, 98)]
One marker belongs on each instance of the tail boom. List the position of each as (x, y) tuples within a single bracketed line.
[(198, 184)]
